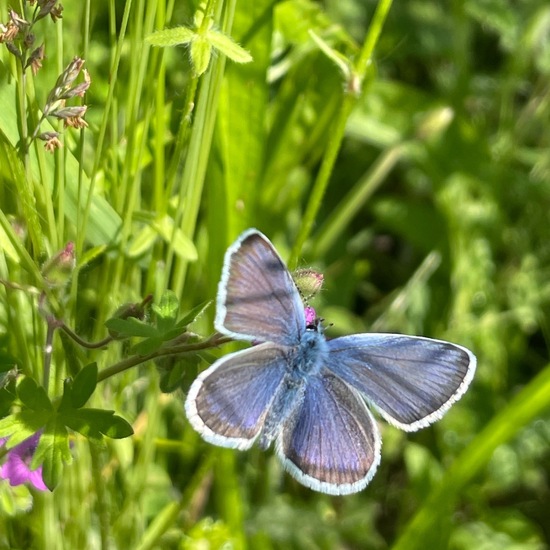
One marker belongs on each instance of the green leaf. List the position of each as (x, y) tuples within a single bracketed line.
[(144, 239), (176, 373), (66, 398), (52, 452), (7, 397), (171, 379), (119, 428), (226, 45), (84, 385), (195, 313), (183, 246), (141, 242), (7, 248), (166, 310), (7, 361), (200, 53), (149, 346), (131, 327), (90, 255), (171, 37), (20, 426), (33, 396), (201, 45), (199, 15), (174, 333), (94, 423)]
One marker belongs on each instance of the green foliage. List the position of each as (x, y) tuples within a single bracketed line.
[(52, 452), (40, 415), (400, 150), (166, 327), (202, 40), (102, 228)]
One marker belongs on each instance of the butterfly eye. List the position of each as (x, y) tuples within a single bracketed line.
[(315, 326), (313, 322)]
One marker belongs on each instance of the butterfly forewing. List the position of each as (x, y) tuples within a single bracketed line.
[(228, 403), (333, 445), (257, 298), (411, 380)]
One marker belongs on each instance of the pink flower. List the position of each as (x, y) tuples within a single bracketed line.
[(310, 315), (17, 470)]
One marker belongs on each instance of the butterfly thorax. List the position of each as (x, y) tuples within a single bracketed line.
[(311, 353), (304, 360)]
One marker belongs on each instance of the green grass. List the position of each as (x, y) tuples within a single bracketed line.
[(401, 149)]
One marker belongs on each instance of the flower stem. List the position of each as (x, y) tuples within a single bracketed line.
[(214, 341), (84, 343), (353, 90)]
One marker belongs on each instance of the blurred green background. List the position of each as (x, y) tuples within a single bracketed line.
[(434, 222)]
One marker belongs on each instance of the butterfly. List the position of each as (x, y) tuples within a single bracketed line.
[(306, 394)]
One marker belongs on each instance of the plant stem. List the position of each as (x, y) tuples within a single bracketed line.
[(84, 343), (353, 89), (135, 360)]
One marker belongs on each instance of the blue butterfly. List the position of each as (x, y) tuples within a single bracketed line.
[(306, 393)]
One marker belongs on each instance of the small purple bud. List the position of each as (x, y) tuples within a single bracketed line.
[(57, 270), (128, 310), (308, 281)]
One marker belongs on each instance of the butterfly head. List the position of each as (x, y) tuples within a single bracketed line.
[(314, 323)]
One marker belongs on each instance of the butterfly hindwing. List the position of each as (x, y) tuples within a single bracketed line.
[(228, 403), (333, 444)]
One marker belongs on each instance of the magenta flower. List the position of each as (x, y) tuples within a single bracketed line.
[(17, 470), (310, 315)]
